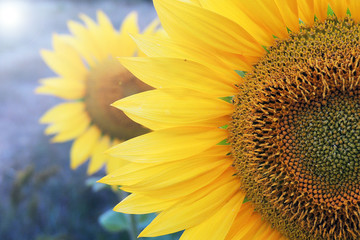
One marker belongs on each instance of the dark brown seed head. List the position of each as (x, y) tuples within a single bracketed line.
[(295, 133), (108, 82)]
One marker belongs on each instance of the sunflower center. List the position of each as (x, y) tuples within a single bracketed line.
[(321, 147), (107, 82), (295, 134)]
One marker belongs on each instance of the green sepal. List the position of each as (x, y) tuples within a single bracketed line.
[(330, 12), (348, 12), (264, 47), (227, 99), (246, 200), (241, 73), (224, 127), (223, 142)]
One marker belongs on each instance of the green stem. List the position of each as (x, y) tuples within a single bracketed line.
[(134, 232), (133, 223)]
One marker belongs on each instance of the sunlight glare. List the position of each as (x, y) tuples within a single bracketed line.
[(12, 16)]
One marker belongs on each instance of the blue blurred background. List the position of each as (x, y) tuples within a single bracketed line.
[(41, 198)]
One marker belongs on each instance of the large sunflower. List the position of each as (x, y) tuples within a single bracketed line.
[(283, 93), (92, 78)]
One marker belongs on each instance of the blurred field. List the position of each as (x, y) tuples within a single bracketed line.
[(41, 198)]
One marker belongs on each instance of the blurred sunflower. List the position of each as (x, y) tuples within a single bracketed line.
[(92, 78), (255, 117)]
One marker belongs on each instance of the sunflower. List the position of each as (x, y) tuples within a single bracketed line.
[(255, 119), (91, 78)]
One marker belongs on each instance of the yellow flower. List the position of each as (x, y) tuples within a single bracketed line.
[(284, 94), (92, 78)]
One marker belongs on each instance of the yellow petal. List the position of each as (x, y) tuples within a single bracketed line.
[(82, 146), (151, 28), (175, 107), (265, 14), (65, 125), (64, 60), (306, 11), (96, 34), (233, 10), (70, 55), (62, 111), (320, 8), (84, 42), (99, 157), (255, 223), (70, 134), (264, 232), (194, 209), (148, 123), (129, 27), (154, 46), (155, 125), (106, 31), (354, 6), (195, 2), (274, 235), (73, 128), (68, 128), (159, 177), (339, 7), (140, 204), (189, 23), (52, 129), (91, 25), (168, 144), (242, 219), (173, 190), (104, 22), (250, 225), (238, 62), (114, 163), (289, 12), (64, 88), (133, 173), (222, 219), (178, 73)]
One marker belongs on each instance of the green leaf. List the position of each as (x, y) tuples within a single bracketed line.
[(99, 186), (241, 73), (95, 186), (113, 221), (144, 219), (91, 181)]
